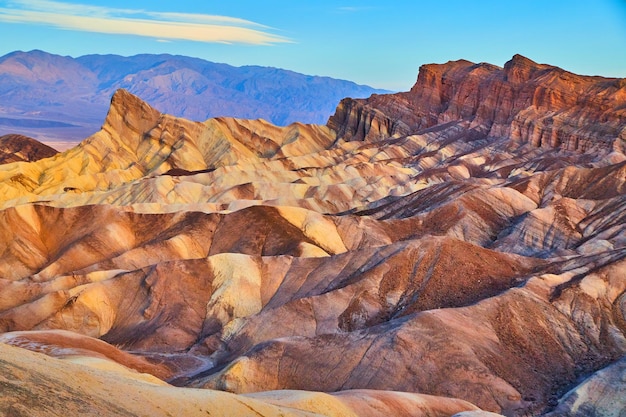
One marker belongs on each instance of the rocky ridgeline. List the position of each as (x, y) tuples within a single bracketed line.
[(461, 246), (539, 104)]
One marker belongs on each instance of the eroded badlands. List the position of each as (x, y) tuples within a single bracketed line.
[(458, 247)]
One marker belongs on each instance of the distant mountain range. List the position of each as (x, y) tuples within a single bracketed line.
[(52, 97)]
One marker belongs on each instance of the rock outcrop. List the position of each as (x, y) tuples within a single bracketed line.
[(421, 246), (534, 103), (602, 394), (16, 148)]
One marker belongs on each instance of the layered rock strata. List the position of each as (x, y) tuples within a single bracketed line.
[(534, 103), (422, 245)]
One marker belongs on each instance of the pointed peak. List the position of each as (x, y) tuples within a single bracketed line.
[(521, 60), (520, 69), (124, 102), (127, 111), (122, 97)]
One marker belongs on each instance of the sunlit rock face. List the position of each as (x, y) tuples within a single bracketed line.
[(524, 101), (465, 240)]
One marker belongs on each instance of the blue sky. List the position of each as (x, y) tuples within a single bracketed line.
[(378, 43)]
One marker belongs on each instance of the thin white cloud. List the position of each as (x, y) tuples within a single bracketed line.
[(203, 18), (158, 25)]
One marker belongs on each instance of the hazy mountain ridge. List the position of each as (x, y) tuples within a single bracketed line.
[(37, 86), (413, 244)]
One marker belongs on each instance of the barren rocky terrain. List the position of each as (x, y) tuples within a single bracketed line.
[(61, 100), (458, 248)]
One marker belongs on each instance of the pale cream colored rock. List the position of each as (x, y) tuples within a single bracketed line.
[(316, 227), (27, 376), (236, 287)]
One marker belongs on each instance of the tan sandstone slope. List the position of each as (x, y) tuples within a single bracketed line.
[(465, 239), (37, 385)]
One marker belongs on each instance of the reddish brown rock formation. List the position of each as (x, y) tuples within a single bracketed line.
[(65, 344), (466, 239), (526, 101), (14, 148)]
